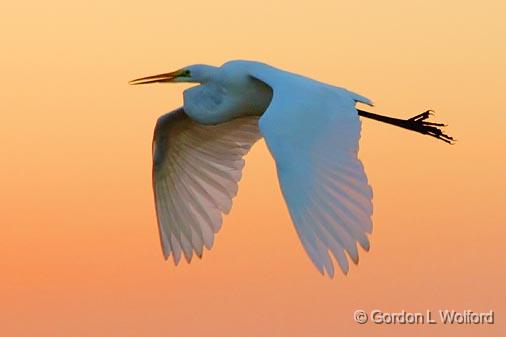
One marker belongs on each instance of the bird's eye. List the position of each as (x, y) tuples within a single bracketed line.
[(186, 73)]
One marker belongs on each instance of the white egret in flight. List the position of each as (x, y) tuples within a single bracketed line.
[(312, 130)]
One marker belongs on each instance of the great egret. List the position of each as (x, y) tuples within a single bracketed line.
[(312, 130)]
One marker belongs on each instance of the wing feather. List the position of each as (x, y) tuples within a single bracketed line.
[(196, 169), (312, 131)]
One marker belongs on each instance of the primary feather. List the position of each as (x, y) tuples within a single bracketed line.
[(322, 179), (195, 173)]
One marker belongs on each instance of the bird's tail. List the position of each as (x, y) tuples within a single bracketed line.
[(359, 98)]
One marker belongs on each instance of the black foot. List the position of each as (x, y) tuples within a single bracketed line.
[(418, 124)]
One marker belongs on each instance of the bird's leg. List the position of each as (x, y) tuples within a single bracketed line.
[(416, 123)]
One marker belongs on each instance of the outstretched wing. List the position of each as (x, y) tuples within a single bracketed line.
[(195, 173), (312, 131)]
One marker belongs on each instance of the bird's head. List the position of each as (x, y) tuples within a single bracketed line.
[(198, 73)]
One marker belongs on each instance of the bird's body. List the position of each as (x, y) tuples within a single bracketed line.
[(311, 129)]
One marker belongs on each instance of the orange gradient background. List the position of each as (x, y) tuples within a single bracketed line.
[(79, 249)]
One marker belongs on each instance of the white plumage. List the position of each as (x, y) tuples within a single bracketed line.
[(195, 173), (312, 130)]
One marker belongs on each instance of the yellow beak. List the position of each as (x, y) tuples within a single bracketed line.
[(162, 78)]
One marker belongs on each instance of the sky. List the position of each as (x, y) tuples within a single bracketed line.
[(79, 247)]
